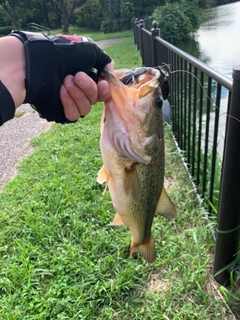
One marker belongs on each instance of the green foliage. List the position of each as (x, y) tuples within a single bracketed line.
[(206, 3), (4, 18), (111, 15), (119, 14), (177, 20), (199, 3), (110, 25), (90, 14), (5, 30)]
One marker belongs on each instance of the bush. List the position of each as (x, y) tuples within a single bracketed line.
[(4, 31), (115, 25), (177, 20)]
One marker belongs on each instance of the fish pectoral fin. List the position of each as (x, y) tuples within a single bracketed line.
[(131, 183), (165, 206), (146, 250), (103, 176), (117, 221)]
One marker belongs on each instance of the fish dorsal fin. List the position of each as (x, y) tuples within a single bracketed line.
[(165, 206), (131, 183), (117, 221)]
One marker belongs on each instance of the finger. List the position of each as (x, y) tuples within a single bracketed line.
[(70, 109), (110, 66), (77, 93), (87, 86), (104, 92)]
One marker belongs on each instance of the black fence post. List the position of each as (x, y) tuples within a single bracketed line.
[(228, 229), (141, 24), (155, 33), (135, 22)]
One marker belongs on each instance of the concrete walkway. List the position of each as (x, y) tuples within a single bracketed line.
[(16, 133)]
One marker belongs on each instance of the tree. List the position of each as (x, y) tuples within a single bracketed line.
[(67, 8), (42, 11), (119, 13), (90, 14), (45, 12), (177, 20), (4, 18), (10, 7)]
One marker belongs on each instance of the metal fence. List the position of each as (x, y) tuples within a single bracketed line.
[(206, 127)]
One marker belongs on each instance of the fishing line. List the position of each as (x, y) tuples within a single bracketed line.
[(204, 91)]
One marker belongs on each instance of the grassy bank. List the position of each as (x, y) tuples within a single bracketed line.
[(95, 35), (60, 261)]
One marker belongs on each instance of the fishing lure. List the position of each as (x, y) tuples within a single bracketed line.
[(131, 77), (165, 82)]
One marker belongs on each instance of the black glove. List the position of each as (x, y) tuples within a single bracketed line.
[(49, 59), (7, 106)]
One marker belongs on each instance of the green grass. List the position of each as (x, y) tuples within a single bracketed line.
[(58, 260), (19, 114), (95, 35)]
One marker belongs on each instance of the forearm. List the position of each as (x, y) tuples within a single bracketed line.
[(13, 68)]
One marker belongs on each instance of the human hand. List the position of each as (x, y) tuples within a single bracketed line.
[(78, 93), (51, 59)]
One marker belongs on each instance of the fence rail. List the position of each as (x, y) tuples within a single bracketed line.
[(34, 26), (206, 110)]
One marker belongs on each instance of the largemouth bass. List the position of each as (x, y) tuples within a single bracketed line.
[(132, 148)]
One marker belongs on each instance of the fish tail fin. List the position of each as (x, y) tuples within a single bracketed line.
[(146, 249)]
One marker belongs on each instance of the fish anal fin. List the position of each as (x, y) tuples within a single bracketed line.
[(146, 250), (117, 221), (131, 183), (165, 206)]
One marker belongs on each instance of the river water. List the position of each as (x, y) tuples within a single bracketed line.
[(217, 44), (217, 41)]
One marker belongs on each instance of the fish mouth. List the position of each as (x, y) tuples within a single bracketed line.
[(147, 78)]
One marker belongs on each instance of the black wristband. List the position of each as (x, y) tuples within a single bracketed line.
[(48, 61), (7, 106)]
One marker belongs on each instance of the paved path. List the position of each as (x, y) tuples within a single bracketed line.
[(16, 133), (14, 140)]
